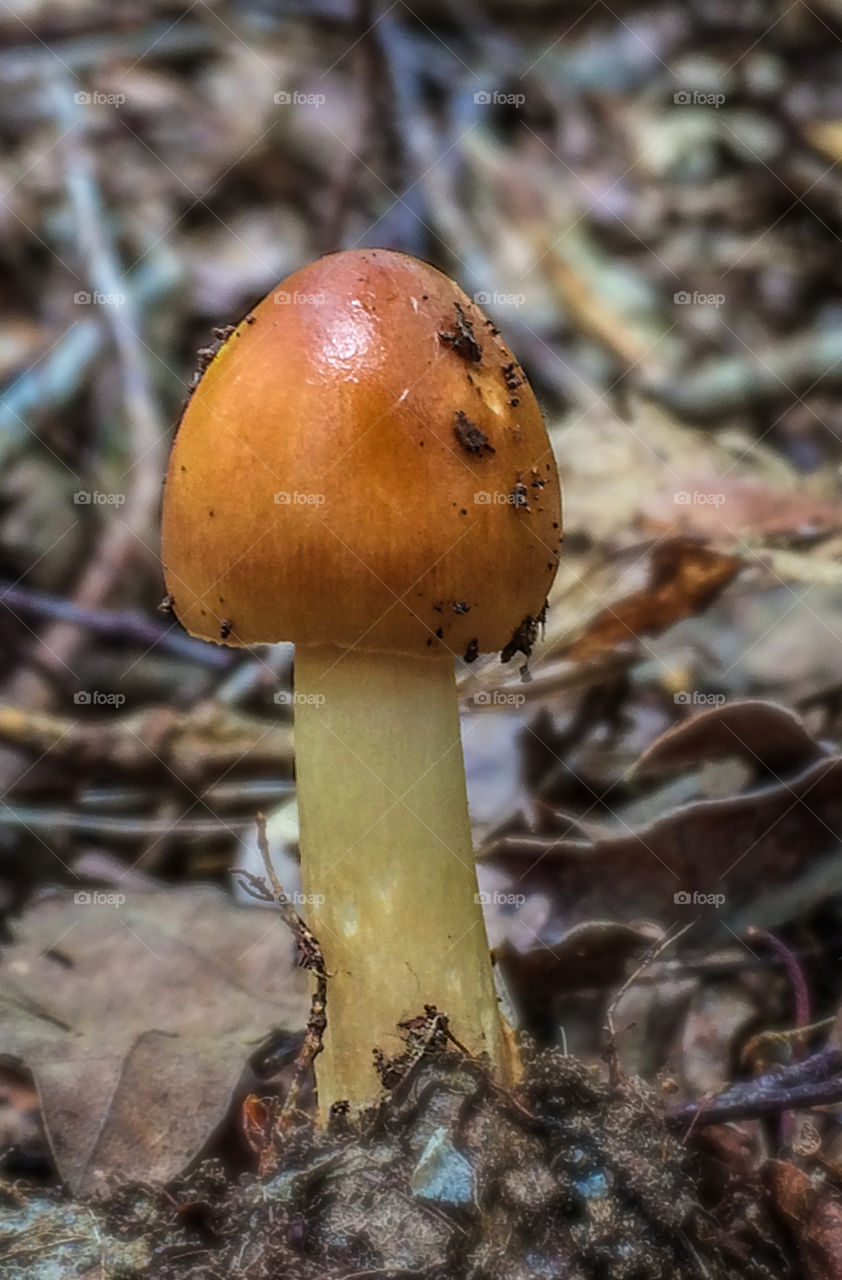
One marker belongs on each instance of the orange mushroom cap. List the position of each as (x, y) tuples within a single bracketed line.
[(362, 463)]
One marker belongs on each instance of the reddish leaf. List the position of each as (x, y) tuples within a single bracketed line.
[(684, 578), (813, 1212)]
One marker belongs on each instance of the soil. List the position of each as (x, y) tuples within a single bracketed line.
[(449, 1178)]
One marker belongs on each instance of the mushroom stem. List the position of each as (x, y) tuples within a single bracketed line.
[(386, 850)]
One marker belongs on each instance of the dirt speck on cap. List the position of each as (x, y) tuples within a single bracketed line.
[(462, 339), (523, 638), (470, 436)]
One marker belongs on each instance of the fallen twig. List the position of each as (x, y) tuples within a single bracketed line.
[(614, 1069), (311, 958), (800, 993), (817, 1081), (99, 263), (189, 745), (126, 624)]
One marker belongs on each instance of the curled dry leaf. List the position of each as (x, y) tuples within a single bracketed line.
[(137, 1020), (763, 733), (684, 577), (764, 854), (592, 954)]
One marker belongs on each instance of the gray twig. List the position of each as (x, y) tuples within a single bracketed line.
[(311, 958)]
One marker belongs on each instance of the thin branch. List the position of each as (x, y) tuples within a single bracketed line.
[(125, 624), (795, 973), (815, 1082), (311, 958), (614, 1068), (143, 424)]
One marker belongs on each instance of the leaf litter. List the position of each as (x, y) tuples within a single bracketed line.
[(688, 746)]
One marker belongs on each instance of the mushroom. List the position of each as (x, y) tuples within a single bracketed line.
[(344, 477)]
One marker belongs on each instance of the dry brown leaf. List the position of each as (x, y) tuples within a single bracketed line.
[(765, 854), (684, 577), (592, 954), (736, 1145), (732, 509), (137, 1020), (765, 734), (813, 1212)]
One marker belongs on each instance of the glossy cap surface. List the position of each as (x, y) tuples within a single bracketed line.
[(362, 463)]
